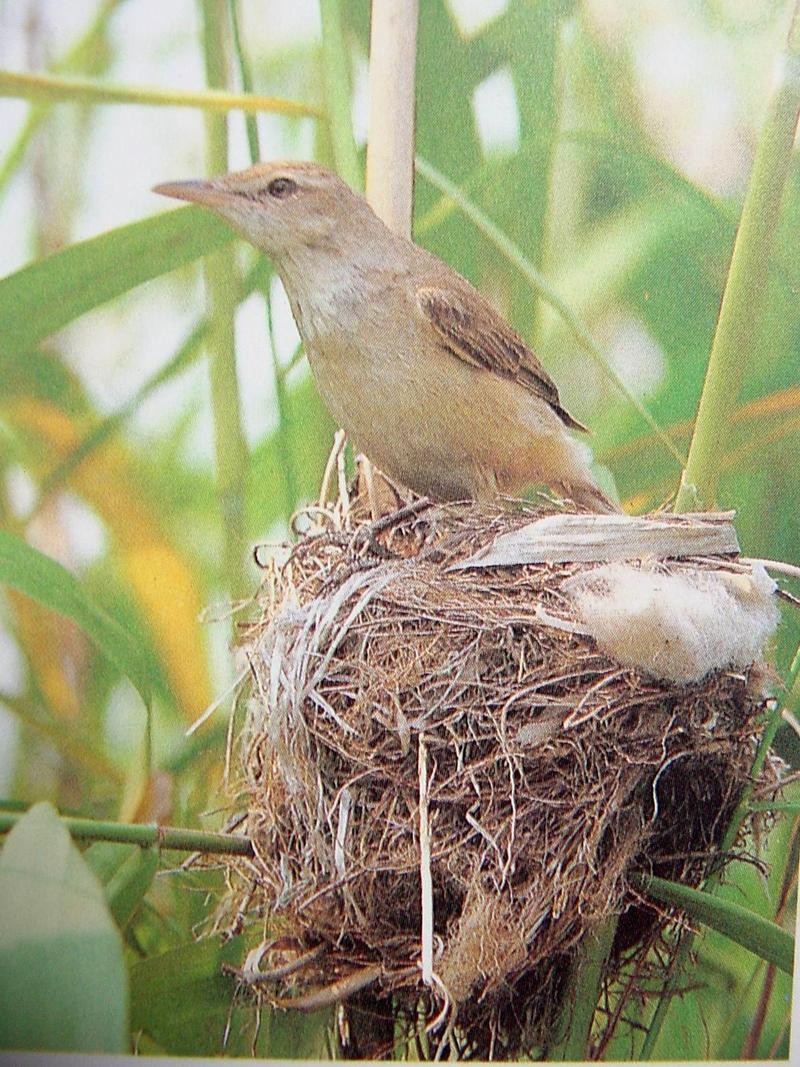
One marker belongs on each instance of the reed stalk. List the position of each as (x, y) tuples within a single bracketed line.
[(221, 290), (284, 442), (336, 75), (146, 835), (571, 1037), (738, 333), (392, 80)]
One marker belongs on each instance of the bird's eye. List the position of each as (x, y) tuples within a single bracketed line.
[(280, 188)]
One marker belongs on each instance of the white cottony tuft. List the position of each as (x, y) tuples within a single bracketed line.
[(678, 626)]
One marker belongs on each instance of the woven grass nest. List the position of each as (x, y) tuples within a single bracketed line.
[(416, 732)]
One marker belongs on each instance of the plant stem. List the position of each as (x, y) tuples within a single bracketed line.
[(737, 334), (392, 78), (221, 290), (146, 835), (59, 90), (281, 393), (246, 79), (572, 1033), (336, 72)]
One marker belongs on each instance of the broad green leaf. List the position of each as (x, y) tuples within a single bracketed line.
[(185, 1003), (182, 999), (63, 983), (46, 581), (48, 294), (43, 376), (766, 939), (126, 872)]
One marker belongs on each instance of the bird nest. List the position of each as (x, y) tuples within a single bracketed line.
[(445, 793)]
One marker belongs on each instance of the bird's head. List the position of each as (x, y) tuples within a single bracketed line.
[(284, 209)]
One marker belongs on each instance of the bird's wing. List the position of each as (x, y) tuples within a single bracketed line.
[(482, 338)]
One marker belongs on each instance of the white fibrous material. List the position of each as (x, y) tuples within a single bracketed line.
[(677, 625)]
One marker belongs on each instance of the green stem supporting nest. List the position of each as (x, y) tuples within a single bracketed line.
[(146, 835), (571, 1036)]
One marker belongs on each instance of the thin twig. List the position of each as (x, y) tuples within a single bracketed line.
[(426, 880)]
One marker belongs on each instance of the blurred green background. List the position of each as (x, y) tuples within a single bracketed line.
[(611, 143)]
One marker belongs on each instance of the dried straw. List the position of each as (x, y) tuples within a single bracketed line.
[(445, 793)]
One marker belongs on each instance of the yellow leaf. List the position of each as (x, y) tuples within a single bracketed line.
[(161, 582)]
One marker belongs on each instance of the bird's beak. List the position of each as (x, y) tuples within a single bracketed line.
[(206, 193)]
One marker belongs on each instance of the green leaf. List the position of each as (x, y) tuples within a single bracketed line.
[(126, 873), (766, 939), (45, 296), (36, 575), (183, 1001), (63, 984), (181, 998)]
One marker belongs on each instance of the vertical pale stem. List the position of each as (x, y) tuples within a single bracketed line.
[(737, 334), (221, 289), (390, 191), (390, 150), (336, 70), (426, 880)]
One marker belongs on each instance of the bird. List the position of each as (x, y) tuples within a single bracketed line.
[(412, 361)]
